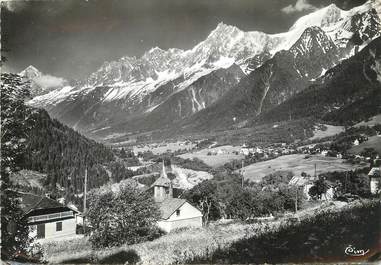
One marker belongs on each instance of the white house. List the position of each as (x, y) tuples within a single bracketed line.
[(245, 151), (175, 212), (178, 213), (375, 180), (47, 218), (304, 182)]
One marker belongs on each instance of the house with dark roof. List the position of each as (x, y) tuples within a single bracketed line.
[(47, 218), (175, 212)]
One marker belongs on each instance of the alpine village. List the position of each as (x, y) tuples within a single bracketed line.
[(247, 148)]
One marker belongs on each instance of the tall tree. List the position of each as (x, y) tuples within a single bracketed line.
[(318, 189), (126, 216), (14, 130), (204, 196)]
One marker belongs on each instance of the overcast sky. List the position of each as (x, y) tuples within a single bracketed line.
[(72, 38)]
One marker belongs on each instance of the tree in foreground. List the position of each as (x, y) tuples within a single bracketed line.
[(318, 189), (204, 196), (14, 124), (127, 216), (243, 205)]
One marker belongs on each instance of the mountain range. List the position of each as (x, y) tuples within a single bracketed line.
[(348, 93), (229, 79)]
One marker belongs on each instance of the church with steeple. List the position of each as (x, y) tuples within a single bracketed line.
[(162, 187), (175, 212)]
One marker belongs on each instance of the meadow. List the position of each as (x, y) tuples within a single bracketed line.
[(213, 243), (297, 163), (371, 122), (188, 178), (28, 178), (163, 147), (219, 155), (326, 130), (372, 142)]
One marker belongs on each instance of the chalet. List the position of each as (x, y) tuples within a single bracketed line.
[(375, 180), (47, 218), (304, 183), (175, 212)]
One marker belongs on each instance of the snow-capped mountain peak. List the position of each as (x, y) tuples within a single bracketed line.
[(30, 72), (223, 29), (225, 45), (324, 17), (135, 85), (41, 83)]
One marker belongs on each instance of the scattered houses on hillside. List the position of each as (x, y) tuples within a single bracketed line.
[(175, 212), (47, 218)]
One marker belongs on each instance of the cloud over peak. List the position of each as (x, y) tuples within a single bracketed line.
[(49, 81), (299, 6)]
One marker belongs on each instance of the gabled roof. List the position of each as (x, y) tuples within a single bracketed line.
[(300, 181), (375, 172), (31, 202), (169, 206)]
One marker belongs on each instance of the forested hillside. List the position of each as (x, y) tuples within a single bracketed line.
[(60, 152), (346, 94), (63, 154)]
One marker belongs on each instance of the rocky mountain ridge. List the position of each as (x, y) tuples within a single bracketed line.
[(139, 91)]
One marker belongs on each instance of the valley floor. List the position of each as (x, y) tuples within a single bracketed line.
[(297, 163)]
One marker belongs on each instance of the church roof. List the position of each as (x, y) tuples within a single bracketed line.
[(169, 206), (163, 180)]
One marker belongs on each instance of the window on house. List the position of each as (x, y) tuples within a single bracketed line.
[(59, 226), (177, 212), (41, 231)]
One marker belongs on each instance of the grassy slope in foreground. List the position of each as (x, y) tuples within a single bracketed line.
[(297, 163), (333, 225), (320, 238)]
